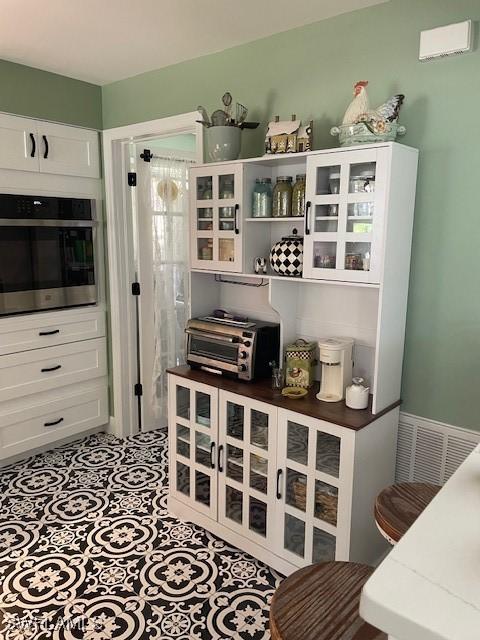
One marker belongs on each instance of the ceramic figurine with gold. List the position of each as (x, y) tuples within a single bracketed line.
[(362, 125)]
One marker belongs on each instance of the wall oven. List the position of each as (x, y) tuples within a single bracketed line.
[(47, 253)]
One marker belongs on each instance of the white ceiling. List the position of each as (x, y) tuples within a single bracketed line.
[(101, 41)]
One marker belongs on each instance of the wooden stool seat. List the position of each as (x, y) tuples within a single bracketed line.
[(398, 506), (320, 602)]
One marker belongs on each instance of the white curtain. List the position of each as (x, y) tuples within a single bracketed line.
[(169, 206)]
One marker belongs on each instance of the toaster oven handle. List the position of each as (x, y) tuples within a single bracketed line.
[(211, 336)]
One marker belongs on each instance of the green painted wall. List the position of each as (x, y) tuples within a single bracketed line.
[(310, 72), (39, 94)]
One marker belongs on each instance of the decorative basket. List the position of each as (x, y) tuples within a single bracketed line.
[(350, 134), (325, 504), (286, 256)]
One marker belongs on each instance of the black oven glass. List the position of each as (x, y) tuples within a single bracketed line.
[(215, 350), (34, 258)]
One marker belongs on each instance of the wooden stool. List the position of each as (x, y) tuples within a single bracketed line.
[(320, 602), (398, 506)]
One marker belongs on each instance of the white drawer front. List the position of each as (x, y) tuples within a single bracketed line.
[(43, 369), (34, 426), (47, 330)]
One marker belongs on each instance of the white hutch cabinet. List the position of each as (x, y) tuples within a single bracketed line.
[(294, 482), (289, 488), (216, 225)]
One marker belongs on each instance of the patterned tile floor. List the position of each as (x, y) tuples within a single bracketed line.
[(89, 551)]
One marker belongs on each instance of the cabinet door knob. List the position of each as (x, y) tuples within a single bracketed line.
[(45, 141), (212, 455), (34, 146), (279, 475)]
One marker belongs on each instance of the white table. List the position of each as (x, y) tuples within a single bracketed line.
[(428, 587)]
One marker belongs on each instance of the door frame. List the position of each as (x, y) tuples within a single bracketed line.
[(120, 246)]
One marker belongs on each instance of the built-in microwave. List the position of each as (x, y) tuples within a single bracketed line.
[(47, 253)]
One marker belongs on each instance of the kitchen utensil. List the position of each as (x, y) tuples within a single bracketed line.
[(357, 395), (219, 118), (227, 103), (294, 393), (248, 125), (205, 117), (241, 113), (205, 124)]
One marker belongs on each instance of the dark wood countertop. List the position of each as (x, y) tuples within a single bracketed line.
[(335, 412)]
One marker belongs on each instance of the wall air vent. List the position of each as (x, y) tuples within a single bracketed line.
[(429, 451), (445, 41)]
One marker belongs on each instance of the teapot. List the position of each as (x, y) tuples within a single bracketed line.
[(356, 396)]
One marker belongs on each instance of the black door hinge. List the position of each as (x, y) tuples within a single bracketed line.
[(147, 155), (138, 389), (132, 179), (135, 288)]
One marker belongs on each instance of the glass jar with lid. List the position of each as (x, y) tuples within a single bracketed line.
[(282, 197), (298, 196), (262, 198)]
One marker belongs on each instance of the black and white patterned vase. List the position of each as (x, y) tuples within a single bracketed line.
[(286, 256)]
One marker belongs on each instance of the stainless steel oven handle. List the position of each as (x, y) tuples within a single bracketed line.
[(212, 336), (16, 222)]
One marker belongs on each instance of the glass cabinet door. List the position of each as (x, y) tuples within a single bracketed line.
[(216, 218), (193, 435), (312, 522), (247, 478), (344, 222)]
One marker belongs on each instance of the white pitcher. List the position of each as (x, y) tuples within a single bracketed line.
[(356, 396)]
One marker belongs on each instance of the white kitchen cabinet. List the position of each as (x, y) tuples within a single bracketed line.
[(315, 467), (193, 437), (246, 467), (19, 147), (45, 147), (39, 370), (345, 216), (216, 217), (289, 488), (69, 151), (38, 420)]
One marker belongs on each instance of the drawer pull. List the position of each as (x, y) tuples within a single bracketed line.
[(212, 455), (54, 423), (48, 333), (55, 368)]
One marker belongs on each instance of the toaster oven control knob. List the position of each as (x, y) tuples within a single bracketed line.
[(242, 367), (247, 343), (243, 355)]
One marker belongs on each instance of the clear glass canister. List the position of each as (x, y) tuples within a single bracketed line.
[(262, 198), (282, 197), (298, 196)]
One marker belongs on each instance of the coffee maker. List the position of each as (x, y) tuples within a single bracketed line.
[(335, 356)]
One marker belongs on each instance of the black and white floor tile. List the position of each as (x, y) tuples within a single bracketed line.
[(89, 551)]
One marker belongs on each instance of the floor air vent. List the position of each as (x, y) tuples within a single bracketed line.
[(429, 451)]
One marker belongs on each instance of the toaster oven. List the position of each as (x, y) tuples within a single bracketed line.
[(233, 348)]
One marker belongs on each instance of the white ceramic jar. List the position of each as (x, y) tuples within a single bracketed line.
[(356, 395)]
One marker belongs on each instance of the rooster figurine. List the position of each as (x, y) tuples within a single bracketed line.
[(376, 120)]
